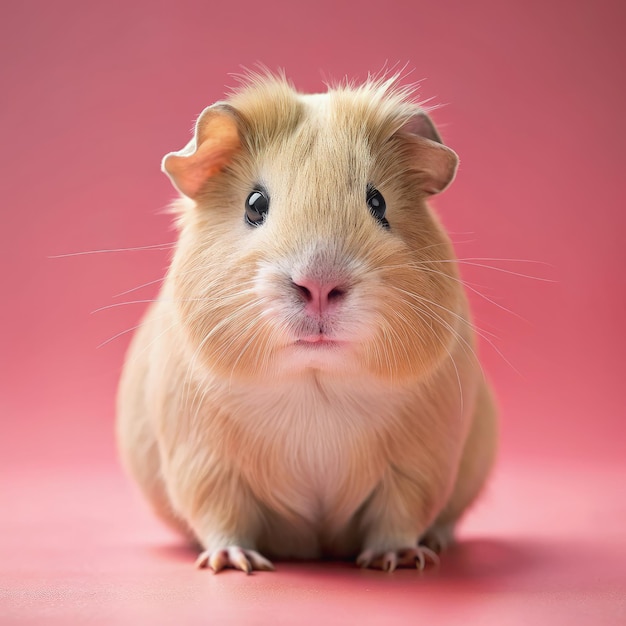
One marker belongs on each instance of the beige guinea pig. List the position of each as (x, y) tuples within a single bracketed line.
[(306, 384)]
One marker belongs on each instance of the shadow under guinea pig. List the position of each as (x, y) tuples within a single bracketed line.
[(472, 560), (529, 565), (471, 565)]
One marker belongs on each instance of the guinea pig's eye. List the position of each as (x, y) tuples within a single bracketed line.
[(377, 205), (257, 206)]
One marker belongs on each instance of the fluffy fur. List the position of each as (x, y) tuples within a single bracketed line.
[(254, 442)]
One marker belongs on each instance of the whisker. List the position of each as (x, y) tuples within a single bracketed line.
[(505, 271), (508, 260), (399, 315), (418, 265), (205, 339), (256, 330), (225, 349), (118, 304), (473, 289), (124, 332), (492, 267), (454, 332), (148, 301), (152, 282), (436, 317), (155, 339), (481, 333), (179, 274), (156, 246)]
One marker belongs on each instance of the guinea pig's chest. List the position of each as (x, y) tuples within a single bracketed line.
[(315, 450)]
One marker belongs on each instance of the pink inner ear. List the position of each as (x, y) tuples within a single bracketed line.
[(437, 162), (422, 126), (217, 140)]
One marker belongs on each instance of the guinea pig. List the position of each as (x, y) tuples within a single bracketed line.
[(306, 385)]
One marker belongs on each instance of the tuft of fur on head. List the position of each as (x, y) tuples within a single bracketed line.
[(383, 104)]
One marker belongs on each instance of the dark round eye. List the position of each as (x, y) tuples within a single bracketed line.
[(257, 206), (377, 205)]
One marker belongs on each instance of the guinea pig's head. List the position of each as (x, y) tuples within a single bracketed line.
[(305, 239)]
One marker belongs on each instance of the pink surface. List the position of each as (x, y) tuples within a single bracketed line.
[(93, 96), (546, 546)]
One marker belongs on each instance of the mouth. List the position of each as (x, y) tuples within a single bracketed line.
[(318, 341)]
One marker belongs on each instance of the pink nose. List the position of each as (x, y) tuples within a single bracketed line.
[(319, 298)]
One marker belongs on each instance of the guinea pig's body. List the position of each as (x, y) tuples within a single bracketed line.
[(306, 384)]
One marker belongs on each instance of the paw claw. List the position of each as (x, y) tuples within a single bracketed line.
[(237, 558), (420, 561), (234, 557), (365, 558), (259, 562), (431, 554), (201, 561), (390, 560)]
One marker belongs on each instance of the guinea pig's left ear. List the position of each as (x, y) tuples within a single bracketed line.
[(215, 141), (436, 162)]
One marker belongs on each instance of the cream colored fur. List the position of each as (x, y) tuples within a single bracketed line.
[(250, 442)]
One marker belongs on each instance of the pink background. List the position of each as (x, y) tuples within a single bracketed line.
[(93, 96)]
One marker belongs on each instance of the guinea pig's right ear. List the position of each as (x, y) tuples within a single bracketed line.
[(215, 141), (437, 163)]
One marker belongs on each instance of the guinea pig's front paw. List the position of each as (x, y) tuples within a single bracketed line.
[(235, 557), (415, 556)]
